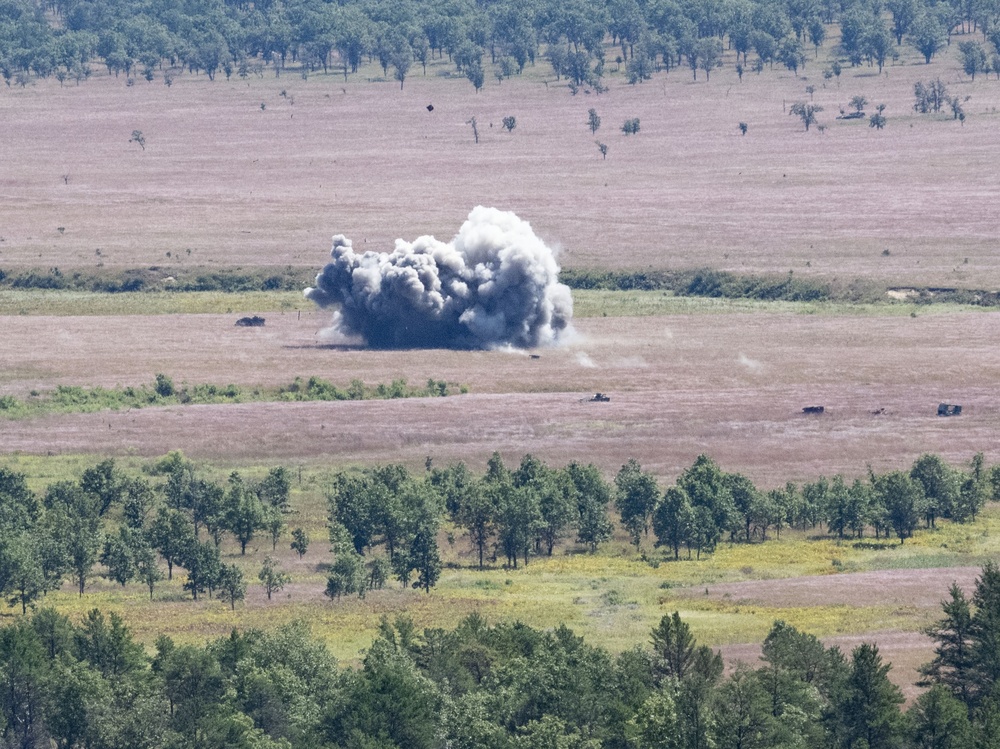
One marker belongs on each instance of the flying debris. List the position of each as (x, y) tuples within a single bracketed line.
[(494, 284)]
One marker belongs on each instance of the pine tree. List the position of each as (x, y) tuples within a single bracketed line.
[(869, 708), (953, 653)]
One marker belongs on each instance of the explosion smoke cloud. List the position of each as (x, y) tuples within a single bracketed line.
[(495, 284)]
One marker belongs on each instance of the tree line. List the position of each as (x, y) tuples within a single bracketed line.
[(90, 685), (385, 523), (234, 37), (65, 533)]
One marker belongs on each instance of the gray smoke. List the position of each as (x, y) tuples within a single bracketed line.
[(495, 284)]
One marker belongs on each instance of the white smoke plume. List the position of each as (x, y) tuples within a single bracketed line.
[(495, 284), (752, 364)]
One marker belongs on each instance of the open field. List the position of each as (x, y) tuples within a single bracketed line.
[(685, 376), (224, 181), (730, 384), (235, 173)]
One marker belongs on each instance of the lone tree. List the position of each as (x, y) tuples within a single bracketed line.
[(272, 578), (743, 128), (805, 112), (137, 137), (474, 72), (858, 103), (475, 128), (401, 59), (232, 584), (603, 148), (509, 123), (877, 120), (631, 127), (593, 121), (300, 542), (973, 58), (927, 35)]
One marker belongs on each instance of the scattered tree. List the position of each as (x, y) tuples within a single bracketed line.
[(877, 120), (232, 584), (927, 35), (593, 121), (805, 112), (973, 58), (300, 542), (272, 578)]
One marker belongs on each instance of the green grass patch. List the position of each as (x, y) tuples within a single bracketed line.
[(76, 399), (604, 303), (156, 278), (595, 294), (86, 303), (718, 284)]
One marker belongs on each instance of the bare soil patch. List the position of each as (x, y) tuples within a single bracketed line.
[(235, 173)]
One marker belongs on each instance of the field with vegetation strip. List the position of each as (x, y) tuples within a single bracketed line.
[(724, 279)]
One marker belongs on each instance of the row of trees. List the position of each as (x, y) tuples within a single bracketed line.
[(707, 504), (68, 530), (62, 37), (384, 521), (482, 686)]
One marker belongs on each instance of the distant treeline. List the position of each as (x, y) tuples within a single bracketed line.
[(707, 282), (89, 684), (579, 40), (163, 392), (700, 282), (155, 278)]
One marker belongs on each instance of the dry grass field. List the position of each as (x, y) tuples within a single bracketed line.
[(730, 384), (262, 172), (238, 173)]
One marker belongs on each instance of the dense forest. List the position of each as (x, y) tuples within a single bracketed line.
[(482, 686), (481, 40)]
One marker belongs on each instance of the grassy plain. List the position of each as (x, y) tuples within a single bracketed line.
[(226, 182), (727, 379)]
